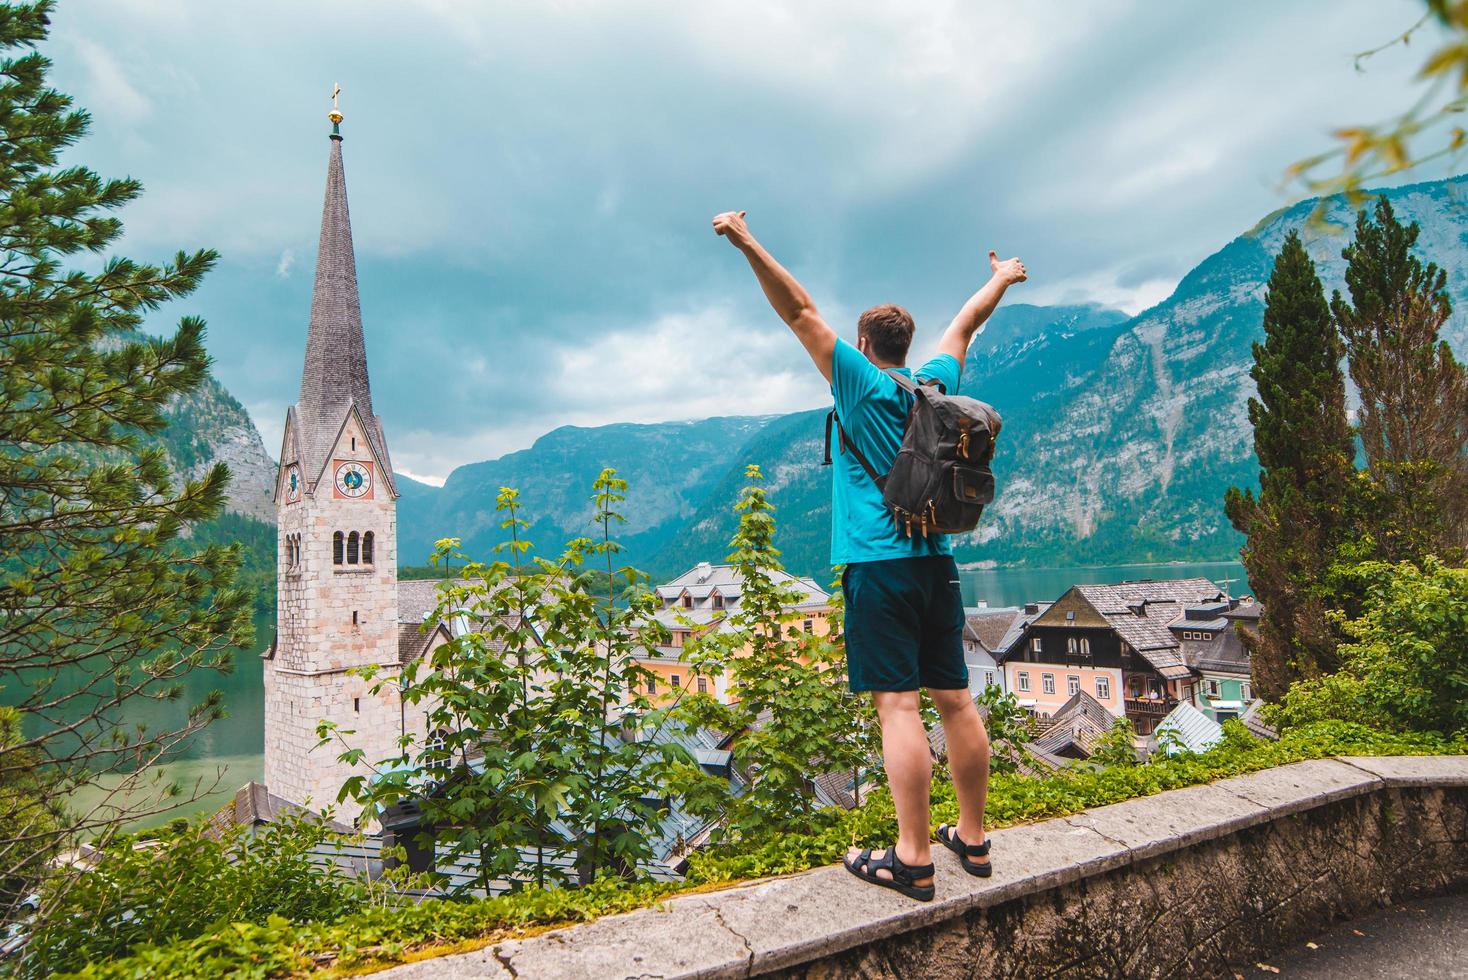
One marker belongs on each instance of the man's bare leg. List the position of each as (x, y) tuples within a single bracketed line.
[(909, 764), (968, 761)]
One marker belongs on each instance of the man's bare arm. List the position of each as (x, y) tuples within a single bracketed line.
[(960, 332), (787, 296)]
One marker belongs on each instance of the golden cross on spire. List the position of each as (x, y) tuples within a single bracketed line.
[(335, 115)]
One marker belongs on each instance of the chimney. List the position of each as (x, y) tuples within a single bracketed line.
[(704, 570), (1031, 608)]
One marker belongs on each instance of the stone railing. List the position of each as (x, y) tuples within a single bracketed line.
[(1192, 882)]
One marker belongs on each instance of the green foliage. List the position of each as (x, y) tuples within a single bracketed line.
[(1115, 747), (1008, 726), (279, 948), (1406, 667), (1306, 452), (105, 603), (793, 718), (182, 883), (26, 797), (539, 751)]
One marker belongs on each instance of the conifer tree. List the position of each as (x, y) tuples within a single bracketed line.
[(1305, 449), (104, 607), (1413, 419)]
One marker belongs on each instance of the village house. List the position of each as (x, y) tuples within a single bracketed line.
[(984, 631), (1124, 646), (700, 602), (1216, 650)]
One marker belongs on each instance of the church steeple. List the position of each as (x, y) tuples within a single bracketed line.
[(335, 374)]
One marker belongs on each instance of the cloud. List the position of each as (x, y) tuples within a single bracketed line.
[(531, 184), (432, 481), (1109, 287), (110, 90)]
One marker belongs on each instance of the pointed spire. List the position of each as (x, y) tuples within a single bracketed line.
[(335, 373)]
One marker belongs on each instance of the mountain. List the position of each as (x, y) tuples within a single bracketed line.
[(207, 426), (1120, 438), (684, 476), (670, 468), (1121, 434)]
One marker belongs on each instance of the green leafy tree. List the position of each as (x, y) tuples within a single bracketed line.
[(104, 603), (1306, 458), (1413, 418), (792, 717), (1406, 667), (544, 753)]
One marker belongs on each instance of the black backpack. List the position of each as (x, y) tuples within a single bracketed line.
[(941, 478)]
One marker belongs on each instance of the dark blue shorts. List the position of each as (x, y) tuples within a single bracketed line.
[(904, 624)]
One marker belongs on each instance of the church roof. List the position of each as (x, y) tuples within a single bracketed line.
[(335, 375)]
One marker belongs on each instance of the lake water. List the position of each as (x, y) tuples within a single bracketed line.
[(229, 753), (1016, 586)]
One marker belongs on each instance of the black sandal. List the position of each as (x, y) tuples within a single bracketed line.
[(865, 867), (948, 837)]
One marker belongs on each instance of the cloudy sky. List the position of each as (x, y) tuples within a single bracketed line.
[(531, 184)]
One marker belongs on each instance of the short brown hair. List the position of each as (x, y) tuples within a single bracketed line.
[(888, 331)]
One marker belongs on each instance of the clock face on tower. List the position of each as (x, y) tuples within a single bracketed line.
[(292, 484), (353, 479)]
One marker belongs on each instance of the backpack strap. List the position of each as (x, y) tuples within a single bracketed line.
[(847, 444), (903, 382), (910, 386)]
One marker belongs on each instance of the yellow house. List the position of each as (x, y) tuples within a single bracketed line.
[(698, 602)]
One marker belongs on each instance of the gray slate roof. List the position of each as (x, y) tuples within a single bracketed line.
[(1078, 724), (1124, 606), (334, 379), (989, 626)]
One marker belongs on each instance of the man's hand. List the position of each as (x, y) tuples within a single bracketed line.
[(970, 319), (1010, 271), (731, 225)]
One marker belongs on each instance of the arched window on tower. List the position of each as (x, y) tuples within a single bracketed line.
[(353, 540), (367, 548), (336, 548)]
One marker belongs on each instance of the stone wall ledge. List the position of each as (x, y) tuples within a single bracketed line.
[(802, 923)]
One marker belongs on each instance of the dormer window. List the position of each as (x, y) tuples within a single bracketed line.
[(718, 601), (687, 601)]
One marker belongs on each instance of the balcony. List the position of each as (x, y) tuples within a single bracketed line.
[(1149, 707)]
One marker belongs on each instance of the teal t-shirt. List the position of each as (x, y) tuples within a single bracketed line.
[(873, 411)]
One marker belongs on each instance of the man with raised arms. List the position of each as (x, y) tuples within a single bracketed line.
[(904, 611)]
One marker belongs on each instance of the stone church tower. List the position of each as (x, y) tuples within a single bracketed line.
[(337, 605)]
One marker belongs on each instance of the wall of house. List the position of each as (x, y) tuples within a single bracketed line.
[(819, 624), (1229, 689), (1018, 675)]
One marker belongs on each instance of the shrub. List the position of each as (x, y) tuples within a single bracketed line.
[(180, 883), (1407, 669)]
